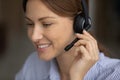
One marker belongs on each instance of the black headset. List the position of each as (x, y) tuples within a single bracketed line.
[(82, 21)]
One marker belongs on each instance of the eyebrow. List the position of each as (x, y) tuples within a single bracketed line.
[(40, 19)]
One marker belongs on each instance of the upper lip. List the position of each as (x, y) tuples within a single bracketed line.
[(42, 44)]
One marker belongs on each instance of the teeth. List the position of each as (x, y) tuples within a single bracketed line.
[(43, 46)]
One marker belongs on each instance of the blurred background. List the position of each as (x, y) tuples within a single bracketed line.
[(15, 45)]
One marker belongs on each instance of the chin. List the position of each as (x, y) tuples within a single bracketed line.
[(46, 58)]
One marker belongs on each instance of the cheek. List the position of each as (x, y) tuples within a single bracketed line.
[(62, 35)]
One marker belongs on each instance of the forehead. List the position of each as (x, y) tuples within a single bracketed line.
[(35, 8), (35, 4)]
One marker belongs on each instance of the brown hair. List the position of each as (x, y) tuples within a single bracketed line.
[(68, 8), (61, 7), (101, 47)]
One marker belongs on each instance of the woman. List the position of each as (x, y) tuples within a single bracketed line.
[(50, 28)]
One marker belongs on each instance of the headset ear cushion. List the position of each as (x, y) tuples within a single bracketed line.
[(79, 22)]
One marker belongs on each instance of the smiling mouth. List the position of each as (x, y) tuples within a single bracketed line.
[(43, 45)]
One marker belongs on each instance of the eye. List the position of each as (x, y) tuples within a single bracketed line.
[(47, 24), (29, 25), (28, 22)]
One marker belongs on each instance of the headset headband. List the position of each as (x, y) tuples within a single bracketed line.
[(85, 11)]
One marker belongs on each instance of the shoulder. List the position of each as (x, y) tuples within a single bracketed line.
[(109, 68), (33, 68), (105, 61), (105, 69)]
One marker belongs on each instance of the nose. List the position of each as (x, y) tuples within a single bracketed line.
[(37, 34)]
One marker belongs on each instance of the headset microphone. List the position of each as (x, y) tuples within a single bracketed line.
[(82, 21), (73, 42)]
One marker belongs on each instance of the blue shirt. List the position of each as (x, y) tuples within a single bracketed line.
[(36, 69)]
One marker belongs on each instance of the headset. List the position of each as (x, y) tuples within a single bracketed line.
[(82, 21)]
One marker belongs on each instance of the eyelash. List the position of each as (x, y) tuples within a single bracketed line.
[(30, 25), (43, 24), (47, 24)]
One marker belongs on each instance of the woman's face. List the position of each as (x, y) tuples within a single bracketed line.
[(49, 32)]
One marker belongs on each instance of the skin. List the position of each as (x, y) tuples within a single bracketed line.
[(50, 33)]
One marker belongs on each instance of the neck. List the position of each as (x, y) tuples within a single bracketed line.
[(64, 62)]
